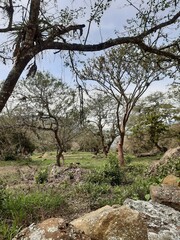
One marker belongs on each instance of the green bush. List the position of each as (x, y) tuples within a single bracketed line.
[(42, 176), (171, 167), (128, 158), (111, 173)]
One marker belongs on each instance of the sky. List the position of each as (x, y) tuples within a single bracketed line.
[(113, 19)]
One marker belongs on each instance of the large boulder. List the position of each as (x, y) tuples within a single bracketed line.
[(51, 229), (170, 159), (167, 195), (108, 223), (163, 222)]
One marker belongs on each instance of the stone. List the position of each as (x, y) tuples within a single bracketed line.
[(108, 223), (167, 195), (172, 155), (163, 222), (51, 229), (171, 180)]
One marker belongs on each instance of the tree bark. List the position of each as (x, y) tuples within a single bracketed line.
[(58, 158), (12, 78), (120, 146), (121, 153)]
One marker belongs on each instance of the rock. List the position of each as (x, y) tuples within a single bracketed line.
[(163, 222), (72, 174), (171, 180), (172, 155), (51, 229), (55, 171), (167, 195), (108, 223)]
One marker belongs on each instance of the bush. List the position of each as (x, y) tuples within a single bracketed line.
[(42, 176), (113, 172), (110, 174), (171, 167)]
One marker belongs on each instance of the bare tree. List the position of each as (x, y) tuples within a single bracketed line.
[(37, 30)]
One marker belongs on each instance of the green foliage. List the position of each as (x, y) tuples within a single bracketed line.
[(113, 172), (152, 123), (14, 143), (110, 174), (128, 158), (138, 190), (42, 176), (171, 167), (19, 209)]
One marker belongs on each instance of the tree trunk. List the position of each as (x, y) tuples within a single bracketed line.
[(120, 147), (12, 78), (121, 154), (58, 158)]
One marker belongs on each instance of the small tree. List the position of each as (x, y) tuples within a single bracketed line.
[(48, 104)]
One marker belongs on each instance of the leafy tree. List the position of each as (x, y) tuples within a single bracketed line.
[(124, 74), (15, 141), (31, 27), (153, 119), (48, 104)]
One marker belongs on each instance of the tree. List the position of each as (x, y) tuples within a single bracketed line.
[(152, 123), (124, 74), (15, 141), (34, 29), (48, 104), (102, 116)]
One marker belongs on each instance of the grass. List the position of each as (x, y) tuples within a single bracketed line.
[(105, 185), (19, 209), (85, 159)]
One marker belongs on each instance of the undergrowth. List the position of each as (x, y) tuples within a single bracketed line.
[(109, 184)]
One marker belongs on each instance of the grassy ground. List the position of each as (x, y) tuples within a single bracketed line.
[(23, 202)]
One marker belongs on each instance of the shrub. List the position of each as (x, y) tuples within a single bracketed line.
[(42, 176), (113, 172), (171, 167), (110, 174)]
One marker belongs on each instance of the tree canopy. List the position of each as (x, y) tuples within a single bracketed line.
[(33, 27)]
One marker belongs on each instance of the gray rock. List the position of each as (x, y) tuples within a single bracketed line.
[(163, 222), (166, 195)]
